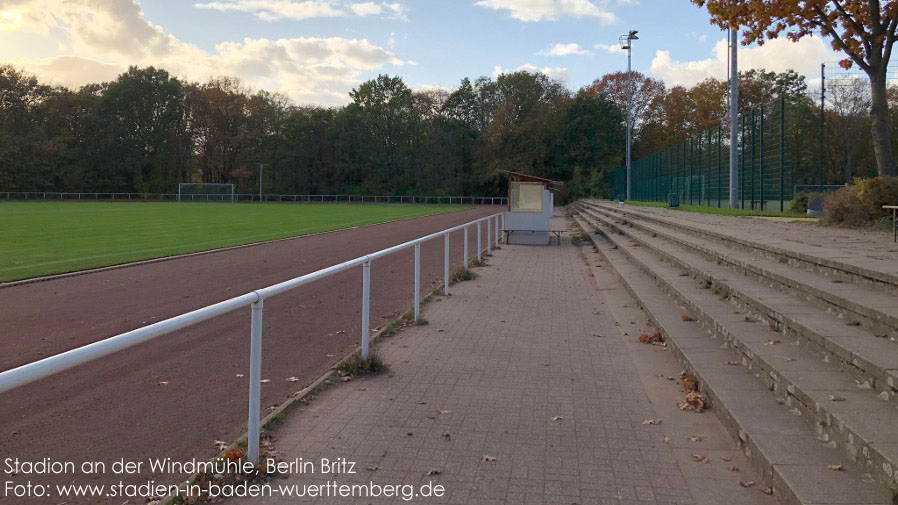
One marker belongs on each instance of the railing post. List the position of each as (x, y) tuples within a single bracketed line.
[(489, 235), (255, 382), (479, 257), (417, 281), (366, 307), (497, 230), (465, 256), (446, 265)]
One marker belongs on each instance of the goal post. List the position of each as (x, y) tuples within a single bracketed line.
[(206, 192)]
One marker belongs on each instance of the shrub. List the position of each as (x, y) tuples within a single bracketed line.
[(845, 208), (876, 192), (859, 205)]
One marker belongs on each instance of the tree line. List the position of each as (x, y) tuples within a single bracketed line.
[(148, 130)]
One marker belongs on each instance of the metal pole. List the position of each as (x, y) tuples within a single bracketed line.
[(489, 234), (753, 133), (822, 118), (782, 146), (446, 265), (255, 381), (734, 120), (761, 160), (497, 231), (366, 307), (479, 257), (466, 249), (629, 99), (417, 281)]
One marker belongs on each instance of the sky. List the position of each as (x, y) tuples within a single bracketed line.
[(316, 51)]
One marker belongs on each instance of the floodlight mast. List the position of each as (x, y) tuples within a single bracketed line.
[(626, 42)]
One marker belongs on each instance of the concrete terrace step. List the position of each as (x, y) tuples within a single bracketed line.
[(861, 424), (829, 262), (856, 350), (873, 308), (784, 448)]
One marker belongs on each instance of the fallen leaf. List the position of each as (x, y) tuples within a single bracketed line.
[(698, 458), (346, 378), (836, 468), (372, 468), (265, 381), (770, 341), (341, 331), (695, 401), (767, 490), (220, 445), (834, 398), (746, 484), (239, 375), (447, 436), (486, 457), (666, 440), (734, 362), (695, 439), (163, 383), (433, 472), (444, 412), (689, 384), (733, 468), (789, 360), (557, 418), (292, 379), (651, 421), (726, 458)]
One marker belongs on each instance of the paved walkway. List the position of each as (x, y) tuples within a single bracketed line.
[(521, 390)]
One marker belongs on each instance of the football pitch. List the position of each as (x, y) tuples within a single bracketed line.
[(43, 238)]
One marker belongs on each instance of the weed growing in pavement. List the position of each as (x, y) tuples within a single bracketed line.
[(462, 274), (422, 322), (477, 263), (355, 366)]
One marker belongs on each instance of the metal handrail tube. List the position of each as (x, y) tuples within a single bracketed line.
[(46, 367)]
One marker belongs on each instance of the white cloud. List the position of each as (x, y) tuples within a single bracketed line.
[(366, 9), (559, 74), (105, 36), (275, 10), (610, 48), (776, 55), (564, 50), (549, 10)]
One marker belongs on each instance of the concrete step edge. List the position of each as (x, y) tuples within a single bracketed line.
[(880, 367), (883, 280), (877, 320), (759, 450), (839, 428)]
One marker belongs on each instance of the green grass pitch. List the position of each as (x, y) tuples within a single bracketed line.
[(38, 238)]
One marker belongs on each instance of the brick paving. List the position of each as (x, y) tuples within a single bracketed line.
[(502, 356)]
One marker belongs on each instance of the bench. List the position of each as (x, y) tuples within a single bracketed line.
[(894, 209), (557, 233)]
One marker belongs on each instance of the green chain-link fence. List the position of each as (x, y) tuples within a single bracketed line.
[(696, 170)]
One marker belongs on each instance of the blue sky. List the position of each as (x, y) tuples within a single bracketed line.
[(315, 51)]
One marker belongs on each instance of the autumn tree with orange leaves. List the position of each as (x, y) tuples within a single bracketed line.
[(864, 30)]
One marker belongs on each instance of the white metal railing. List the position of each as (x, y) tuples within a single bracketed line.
[(46, 367), (254, 197)]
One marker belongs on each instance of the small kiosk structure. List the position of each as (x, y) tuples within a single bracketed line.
[(531, 205)]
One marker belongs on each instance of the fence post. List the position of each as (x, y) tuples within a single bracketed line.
[(417, 281), (489, 235), (366, 307), (466, 249), (761, 159), (719, 160), (782, 145), (446, 265), (479, 256), (742, 167), (497, 231), (753, 152), (255, 381)]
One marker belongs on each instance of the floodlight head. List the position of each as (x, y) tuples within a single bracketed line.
[(624, 42), (632, 35)]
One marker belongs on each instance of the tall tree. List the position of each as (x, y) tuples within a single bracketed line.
[(864, 30)]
